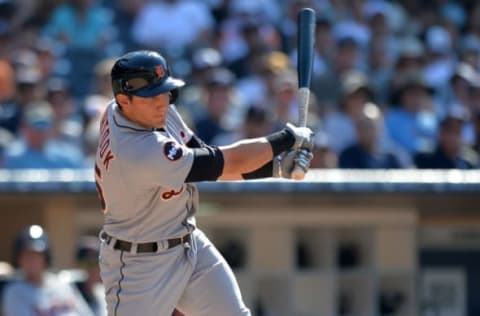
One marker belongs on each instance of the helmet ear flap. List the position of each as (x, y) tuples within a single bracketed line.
[(173, 95)]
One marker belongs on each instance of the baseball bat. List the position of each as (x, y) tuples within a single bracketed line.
[(305, 44)]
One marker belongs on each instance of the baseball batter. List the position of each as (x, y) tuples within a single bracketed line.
[(153, 258)]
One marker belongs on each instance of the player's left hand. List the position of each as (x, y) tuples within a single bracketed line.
[(303, 136), (284, 163)]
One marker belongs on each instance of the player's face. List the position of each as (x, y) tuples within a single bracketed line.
[(148, 112), (33, 264)]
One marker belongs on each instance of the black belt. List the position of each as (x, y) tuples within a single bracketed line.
[(144, 247)]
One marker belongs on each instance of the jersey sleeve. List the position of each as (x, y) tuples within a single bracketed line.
[(178, 124), (156, 160)]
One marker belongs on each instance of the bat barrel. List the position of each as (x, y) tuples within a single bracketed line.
[(306, 39)]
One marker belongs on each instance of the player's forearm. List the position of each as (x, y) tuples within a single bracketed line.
[(245, 156)]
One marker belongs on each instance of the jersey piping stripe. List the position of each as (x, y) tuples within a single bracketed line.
[(122, 276), (135, 129)]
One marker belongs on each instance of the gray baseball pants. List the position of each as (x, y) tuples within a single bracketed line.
[(197, 280)]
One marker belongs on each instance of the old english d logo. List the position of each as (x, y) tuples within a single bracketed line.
[(160, 71)]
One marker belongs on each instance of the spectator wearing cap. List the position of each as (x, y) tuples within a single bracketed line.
[(36, 148), (258, 39), (29, 85), (411, 121), (101, 90), (284, 100), (409, 56), (91, 286), (327, 87), (93, 107), (28, 88), (367, 152), (450, 151), (461, 84), (469, 51), (219, 99), (204, 60), (68, 124), (339, 125), (257, 84)]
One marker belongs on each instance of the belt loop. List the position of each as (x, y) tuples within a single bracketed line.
[(100, 236), (162, 245), (111, 241), (133, 248)]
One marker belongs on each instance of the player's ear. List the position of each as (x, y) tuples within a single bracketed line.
[(123, 99)]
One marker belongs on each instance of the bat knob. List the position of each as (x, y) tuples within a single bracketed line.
[(298, 173)]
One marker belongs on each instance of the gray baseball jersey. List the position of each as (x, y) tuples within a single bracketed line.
[(140, 175)]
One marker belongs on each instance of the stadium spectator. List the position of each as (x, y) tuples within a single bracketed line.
[(327, 86), (204, 61), (450, 151), (91, 287), (219, 100), (409, 57), (367, 152), (460, 86), (67, 123), (28, 89), (38, 291), (285, 98), (36, 148), (412, 122), (256, 85), (340, 124)]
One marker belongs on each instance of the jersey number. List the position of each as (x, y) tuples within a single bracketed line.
[(98, 179)]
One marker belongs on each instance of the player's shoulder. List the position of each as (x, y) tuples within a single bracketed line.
[(141, 146), (16, 288)]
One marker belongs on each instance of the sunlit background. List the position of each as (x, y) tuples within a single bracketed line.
[(395, 92)]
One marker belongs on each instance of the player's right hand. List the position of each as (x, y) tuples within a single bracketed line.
[(303, 136), (285, 163)]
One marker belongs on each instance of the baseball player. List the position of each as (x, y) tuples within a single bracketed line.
[(37, 292), (152, 256)]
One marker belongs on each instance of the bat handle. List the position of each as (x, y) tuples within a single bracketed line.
[(303, 96)]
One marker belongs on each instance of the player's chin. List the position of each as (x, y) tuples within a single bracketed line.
[(158, 121)]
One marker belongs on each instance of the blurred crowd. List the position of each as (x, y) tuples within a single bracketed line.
[(396, 84)]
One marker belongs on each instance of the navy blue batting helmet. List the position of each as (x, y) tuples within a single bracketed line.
[(144, 74), (32, 238)]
